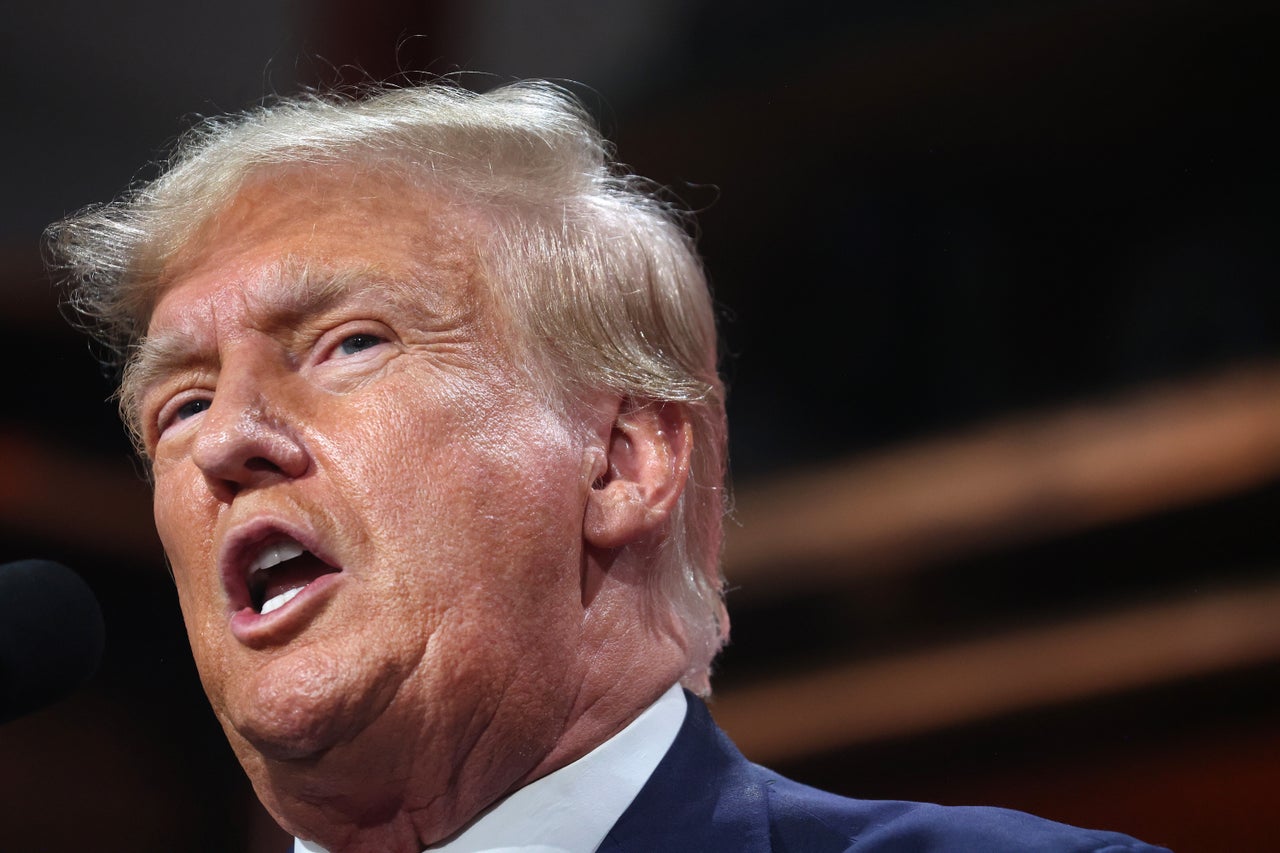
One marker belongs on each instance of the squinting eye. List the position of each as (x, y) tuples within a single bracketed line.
[(192, 407), (353, 344)]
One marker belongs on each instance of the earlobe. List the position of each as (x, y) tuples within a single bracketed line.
[(644, 472)]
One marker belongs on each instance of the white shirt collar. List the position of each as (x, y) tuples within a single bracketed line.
[(572, 809)]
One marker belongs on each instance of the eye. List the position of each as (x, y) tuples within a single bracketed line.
[(353, 344), (178, 410), (190, 408)]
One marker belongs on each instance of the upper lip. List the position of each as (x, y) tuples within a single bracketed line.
[(242, 546)]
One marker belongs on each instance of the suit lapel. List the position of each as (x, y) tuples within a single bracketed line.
[(703, 796)]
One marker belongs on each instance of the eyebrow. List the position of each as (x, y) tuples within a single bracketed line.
[(302, 291)]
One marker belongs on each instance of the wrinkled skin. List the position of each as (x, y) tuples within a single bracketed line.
[(482, 629)]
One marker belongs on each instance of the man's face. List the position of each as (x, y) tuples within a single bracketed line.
[(326, 385)]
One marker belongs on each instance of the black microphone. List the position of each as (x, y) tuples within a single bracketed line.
[(51, 635)]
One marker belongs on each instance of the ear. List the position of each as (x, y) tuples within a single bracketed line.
[(642, 475)]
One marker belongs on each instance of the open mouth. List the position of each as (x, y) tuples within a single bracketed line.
[(281, 571)]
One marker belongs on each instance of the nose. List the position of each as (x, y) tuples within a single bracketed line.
[(247, 437)]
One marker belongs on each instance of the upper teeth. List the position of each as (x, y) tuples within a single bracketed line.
[(274, 555)]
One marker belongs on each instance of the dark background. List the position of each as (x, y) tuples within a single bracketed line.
[(998, 290)]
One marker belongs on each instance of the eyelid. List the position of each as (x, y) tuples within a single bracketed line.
[(331, 340), (166, 413)]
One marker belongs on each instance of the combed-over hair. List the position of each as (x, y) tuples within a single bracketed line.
[(596, 271)]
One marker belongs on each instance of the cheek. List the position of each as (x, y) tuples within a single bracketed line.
[(461, 440), (377, 444), (184, 520), (187, 533), (180, 491), (466, 475)]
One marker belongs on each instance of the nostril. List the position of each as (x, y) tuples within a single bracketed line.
[(223, 490), (261, 463)]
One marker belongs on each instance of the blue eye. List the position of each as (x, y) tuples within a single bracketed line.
[(353, 344), (190, 408)]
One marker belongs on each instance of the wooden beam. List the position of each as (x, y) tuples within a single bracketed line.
[(1018, 480), (909, 694)]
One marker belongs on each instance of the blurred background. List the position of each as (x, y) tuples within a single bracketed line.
[(1002, 335)]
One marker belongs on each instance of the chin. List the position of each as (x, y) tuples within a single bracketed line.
[(300, 708), (296, 735)]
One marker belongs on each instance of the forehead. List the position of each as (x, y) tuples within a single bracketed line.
[(288, 234)]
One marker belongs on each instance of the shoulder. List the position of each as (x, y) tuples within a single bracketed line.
[(706, 796), (809, 820)]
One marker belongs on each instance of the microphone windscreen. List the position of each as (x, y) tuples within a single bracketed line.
[(51, 635)]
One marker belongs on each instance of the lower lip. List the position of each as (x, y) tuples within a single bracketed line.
[(255, 629)]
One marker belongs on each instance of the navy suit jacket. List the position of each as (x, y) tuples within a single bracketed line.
[(705, 797)]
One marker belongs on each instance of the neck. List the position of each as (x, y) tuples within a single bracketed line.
[(397, 788), (345, 818)]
